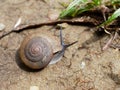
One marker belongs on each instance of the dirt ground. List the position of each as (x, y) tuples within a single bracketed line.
[(84, 65)]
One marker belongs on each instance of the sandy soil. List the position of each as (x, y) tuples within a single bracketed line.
[(84, 65)]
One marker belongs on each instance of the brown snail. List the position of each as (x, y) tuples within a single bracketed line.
[(40, 49)]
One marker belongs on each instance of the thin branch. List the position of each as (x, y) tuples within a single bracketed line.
[(110, 41)]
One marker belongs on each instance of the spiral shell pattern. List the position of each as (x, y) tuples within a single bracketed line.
[(36, 52)]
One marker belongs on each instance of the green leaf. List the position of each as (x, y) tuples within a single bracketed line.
[(115, 1), (79, 6), (97, 2), (72, 8), (76, 2)]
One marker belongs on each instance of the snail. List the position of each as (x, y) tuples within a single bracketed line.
[(40, 49)]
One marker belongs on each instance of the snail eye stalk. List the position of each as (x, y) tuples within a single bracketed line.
[(64, 46), (58, 55)]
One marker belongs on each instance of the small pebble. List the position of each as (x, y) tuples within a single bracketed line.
[(82, 65), (2, 26), (18, 23), (63, 25), (34, 88)]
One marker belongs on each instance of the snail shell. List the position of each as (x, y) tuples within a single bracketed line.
[(37, 50)]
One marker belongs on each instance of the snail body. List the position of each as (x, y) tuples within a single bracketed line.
[(38, 49)]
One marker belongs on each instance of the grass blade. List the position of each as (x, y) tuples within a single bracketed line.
[(112, 17), (72, 8), (79, 6)]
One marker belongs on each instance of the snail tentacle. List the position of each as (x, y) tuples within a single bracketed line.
[(65, 46), (58, 55)]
